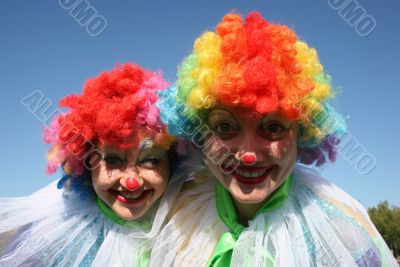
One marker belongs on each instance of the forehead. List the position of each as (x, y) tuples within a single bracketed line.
[(242, 113)]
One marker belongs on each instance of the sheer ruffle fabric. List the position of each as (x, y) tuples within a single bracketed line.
[(54, 228), (318, 225)]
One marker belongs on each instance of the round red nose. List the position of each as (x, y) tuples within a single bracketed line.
[(248, 158), (131, 183)]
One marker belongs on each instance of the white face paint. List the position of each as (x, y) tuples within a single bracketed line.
[(275, 151)]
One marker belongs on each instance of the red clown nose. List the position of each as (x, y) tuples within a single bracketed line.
[(131, 183), (249, 158)]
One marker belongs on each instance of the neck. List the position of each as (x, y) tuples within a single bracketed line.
[(142, 223), (246, 211)]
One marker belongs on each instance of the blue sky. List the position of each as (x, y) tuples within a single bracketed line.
[(44, 48)]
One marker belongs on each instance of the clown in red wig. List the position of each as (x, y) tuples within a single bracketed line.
[(119, 177)]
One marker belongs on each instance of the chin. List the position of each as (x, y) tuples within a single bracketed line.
[(251, 198), (252, 194), (129, 215)]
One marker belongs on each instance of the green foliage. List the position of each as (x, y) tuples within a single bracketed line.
[(387, 221)]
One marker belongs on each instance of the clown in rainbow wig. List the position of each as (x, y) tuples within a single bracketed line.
[(257, 99), (120, 177)]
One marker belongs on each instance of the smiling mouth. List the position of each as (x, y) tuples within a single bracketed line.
[(252, 175), (136, 198)]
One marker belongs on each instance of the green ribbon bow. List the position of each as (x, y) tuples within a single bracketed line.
[(226, 210)]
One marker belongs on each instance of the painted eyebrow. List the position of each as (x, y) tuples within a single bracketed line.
[(154, 151), (116, 152), (216, 112), (276, 118), (146, 144), (219, 110)]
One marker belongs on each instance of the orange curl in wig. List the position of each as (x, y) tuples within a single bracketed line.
[(255, 67), (263, 67)]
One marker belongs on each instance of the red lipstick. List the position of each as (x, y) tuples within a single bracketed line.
[(137, 201)]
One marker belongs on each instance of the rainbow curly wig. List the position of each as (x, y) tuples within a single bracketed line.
[(116, 108), (264, 67)]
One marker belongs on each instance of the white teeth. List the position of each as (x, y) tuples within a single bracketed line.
[(250, 174), (145, 188), (131, 195)]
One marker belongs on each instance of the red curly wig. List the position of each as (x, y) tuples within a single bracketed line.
[(115, 109)]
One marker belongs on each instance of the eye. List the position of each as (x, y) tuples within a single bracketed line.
[(225, 130), (274, 130), (113, 160), (149, 161)]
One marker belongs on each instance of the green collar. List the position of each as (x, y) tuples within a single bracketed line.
[(226, 210), (109, 213)]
